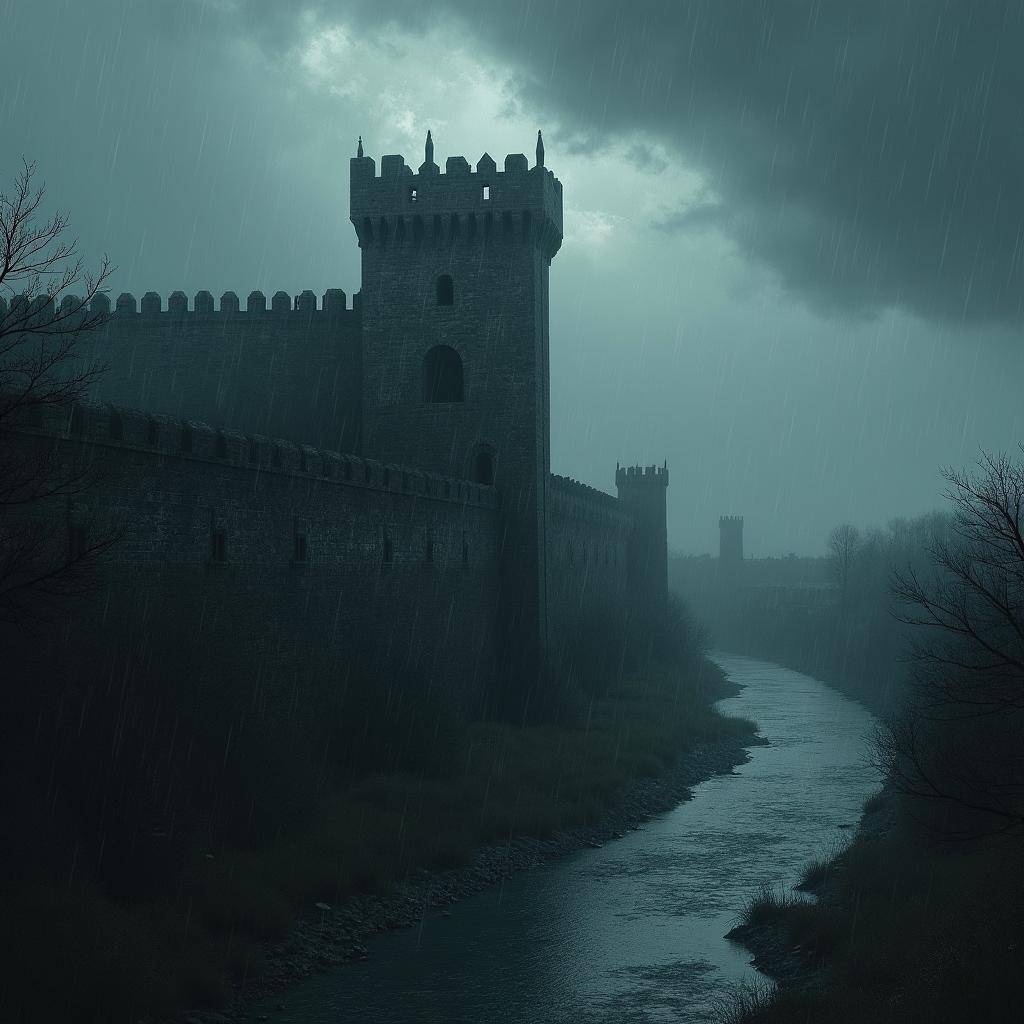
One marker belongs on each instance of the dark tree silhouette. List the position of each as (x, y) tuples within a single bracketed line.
[(843, 542), (41, 321), (960, 741)]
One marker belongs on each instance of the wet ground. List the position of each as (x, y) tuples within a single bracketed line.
[(633, 931)]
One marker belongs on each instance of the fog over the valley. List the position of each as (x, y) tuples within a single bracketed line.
[(792, 265)]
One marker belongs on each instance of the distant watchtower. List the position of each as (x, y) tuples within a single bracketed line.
[(730, 543), (643, 490), (454, 308)]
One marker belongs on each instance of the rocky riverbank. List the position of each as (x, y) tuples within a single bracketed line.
[(327, 936)]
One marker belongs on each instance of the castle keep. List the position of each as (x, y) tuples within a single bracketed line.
[(373, 474)]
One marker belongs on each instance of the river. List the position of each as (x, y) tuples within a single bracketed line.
[(633, 931)]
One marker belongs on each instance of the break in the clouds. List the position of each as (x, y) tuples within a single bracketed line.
[(869, 153)]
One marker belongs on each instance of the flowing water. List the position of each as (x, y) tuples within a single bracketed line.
[(633, 931)]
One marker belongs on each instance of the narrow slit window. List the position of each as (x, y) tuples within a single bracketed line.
[(487, 192), (185, 438), (445, 290), (301, 547), (465, 550), (222, 446), (387, 551), (430, 549), (152, 433), (77, 542), (116, 427), (219, 546)]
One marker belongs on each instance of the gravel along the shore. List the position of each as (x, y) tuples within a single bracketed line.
[(329, 935)]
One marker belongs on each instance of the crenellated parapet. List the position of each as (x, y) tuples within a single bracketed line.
[(108, 426), (400, 206), (641, 476), (578, 501), (333, 304)]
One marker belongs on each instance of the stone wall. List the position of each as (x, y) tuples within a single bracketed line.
[(588, 536), (302, 554), (288, 371)]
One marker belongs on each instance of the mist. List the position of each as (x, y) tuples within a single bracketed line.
[(511, 511)]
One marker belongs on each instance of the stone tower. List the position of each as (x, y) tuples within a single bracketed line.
[(643, 489), (454, 307), (730, 543)]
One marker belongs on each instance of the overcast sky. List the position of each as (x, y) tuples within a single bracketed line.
[(794, 231)]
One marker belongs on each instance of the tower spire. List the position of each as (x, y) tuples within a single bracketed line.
[(428, 149), (540, 149), (359, 148)]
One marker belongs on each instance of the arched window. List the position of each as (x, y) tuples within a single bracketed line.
[(483, 469), (445, 290), (442, 375)]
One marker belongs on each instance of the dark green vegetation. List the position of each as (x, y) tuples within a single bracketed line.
[(922, 920), (168, 813), (906, 931)]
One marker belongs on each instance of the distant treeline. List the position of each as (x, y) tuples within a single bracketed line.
[(832, 616)]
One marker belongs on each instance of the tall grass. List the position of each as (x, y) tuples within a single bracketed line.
[(179, 809), (915, 932)]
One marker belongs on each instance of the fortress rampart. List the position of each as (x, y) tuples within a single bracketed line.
[(376, 479), (291, 369), (311, 556)]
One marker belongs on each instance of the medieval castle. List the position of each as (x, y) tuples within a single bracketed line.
[(374, 474)]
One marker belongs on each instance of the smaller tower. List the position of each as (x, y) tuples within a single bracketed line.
[(643, 490), (730, 543)]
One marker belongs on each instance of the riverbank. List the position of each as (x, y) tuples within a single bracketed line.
[(546, 790), (898, 929)]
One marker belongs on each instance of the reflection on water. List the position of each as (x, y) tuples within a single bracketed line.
[(632, 932)]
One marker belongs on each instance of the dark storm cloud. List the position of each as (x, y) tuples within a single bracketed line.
[(870, 152)]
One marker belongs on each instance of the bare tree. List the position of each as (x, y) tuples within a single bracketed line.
[(960, 741), (843, 543), (41, 322)]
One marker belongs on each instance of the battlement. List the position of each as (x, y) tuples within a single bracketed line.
[(725, 520), (641, 476), (333, 304), (401, 205), (580, 501), (111, 426)]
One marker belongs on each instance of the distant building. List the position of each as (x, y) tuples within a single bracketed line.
[(730, 543)]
